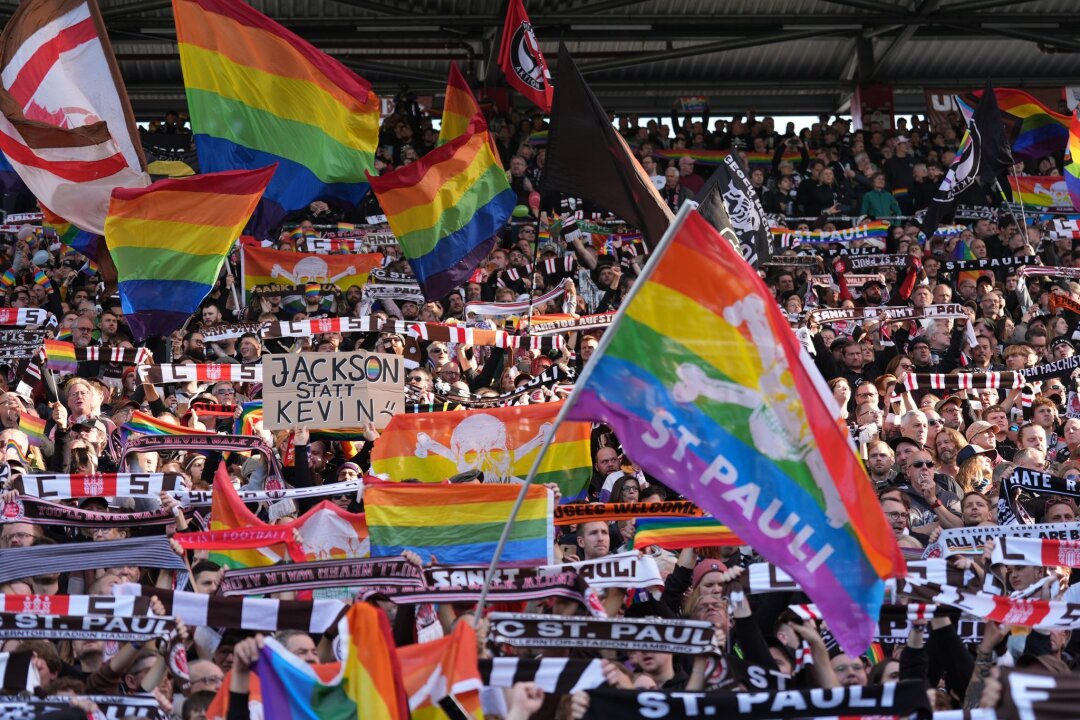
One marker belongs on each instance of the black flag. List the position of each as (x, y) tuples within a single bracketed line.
[(727, 200), (983, 155), (587, 158)]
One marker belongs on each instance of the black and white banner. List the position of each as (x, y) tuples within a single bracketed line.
[(1040, 483), (1010, 261), (204, 498), (43, 512), (825, 316), (373, 573), (111, 707), (691, 637), (394, 291), (729, 190), (866, 262), (105, 605), (146, 552), (142, 628), (584, 323), (905, 698), (242, 613), (561, 676), (224, 331)]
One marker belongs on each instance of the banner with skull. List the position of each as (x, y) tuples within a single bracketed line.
[(729, 203), (500, 443), (264, 267)]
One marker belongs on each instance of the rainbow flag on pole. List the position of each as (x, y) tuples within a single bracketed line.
[(459, 524), (725, 407), (1072, 166), (677, 533), (500, 442), (445, 209), (169, 241), (1034, 129), (85, 243), (60, 356), (260, 94), (368, 684), (461, 113)]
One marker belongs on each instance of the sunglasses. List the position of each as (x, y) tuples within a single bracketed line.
[(922, 464), (416, 378), (933, 423)]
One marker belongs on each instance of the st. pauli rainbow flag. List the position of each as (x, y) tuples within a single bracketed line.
[(500, 442), (459, 524), (228, 512), (146, 424), (169, 241), (34, 427), (265, 266), (260, 94), (445, 209), (1047, 192), (869, 231), (367, 686), (679, 533), (1034, 130), (443, 668), (60, 356), (1072, 167), (726, 408)]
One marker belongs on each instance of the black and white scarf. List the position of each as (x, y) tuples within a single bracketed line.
[(205, 498), (1024, 612), (242, 613), (152, 552), (959, 381), (518, 307), (318, 326), (202, 373), (691, 637), (865, 262), (1040, 483), (583, 323), (395, 291), (135, 628), (225, 331), (17, 672), (890, 312), (972, 540), (68, 486), (363, 574), (27, 317), (990, 263), (905, 698), (1036, 552), (561, 676), (42, 512), (111, 706), (1026, 695), (552, 376)]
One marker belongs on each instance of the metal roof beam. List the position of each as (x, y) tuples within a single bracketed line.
[(600, 6)]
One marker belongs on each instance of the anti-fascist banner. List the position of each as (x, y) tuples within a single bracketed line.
[(691, 637), (972, 540), (266, 267), (905, 698), (573, 513), (332, 390), (1037, 482)]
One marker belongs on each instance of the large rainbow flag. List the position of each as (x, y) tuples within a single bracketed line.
[(459, 524), (169, 241), (266, 266), (725, 407), (500, 442), (260, 94), (445, 209), (1072, 167), (368, 684), (1034, 129)]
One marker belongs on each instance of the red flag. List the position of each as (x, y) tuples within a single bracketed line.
[(521, 59)]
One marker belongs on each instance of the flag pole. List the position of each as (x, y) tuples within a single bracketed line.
[(1020, 199), (687, 207)]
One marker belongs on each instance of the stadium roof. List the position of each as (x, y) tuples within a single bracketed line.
[(778, 56)]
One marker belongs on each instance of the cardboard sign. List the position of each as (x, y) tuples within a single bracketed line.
[(324, 391)]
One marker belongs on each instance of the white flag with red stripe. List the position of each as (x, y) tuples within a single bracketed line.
[(66, 124)]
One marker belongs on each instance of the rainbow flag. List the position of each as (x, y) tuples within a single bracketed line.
[(367, 685), (169, 241), (442, 668), (445, 209), (538, 138), (1048, 192), (678, 533), (228, 512), (725, 407), (60, 356), (146, 424), (766, 158), (1072, 166), (34, 427), (266, 266), (8, 278), (85, 243), (260, 94), (346, 227), (251, 413), (461, 113), (13, 447), (431, 447), (1034, 129), (459, 524)]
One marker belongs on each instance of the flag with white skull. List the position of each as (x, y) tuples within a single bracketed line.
[(728, 202)]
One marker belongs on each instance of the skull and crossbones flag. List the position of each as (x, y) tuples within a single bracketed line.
[(732, 206), (499, 443)]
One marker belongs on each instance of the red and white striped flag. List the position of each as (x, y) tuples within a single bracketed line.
[(66, 124)]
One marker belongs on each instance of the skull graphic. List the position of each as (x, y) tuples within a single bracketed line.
[(480, 442)]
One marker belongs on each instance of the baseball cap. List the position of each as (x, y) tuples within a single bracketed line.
[(969, 451), (896, 442), (980, 426), (952, 399)]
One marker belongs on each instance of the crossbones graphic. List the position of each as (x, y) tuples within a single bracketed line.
[(480, 443), (777, 424), (310, 269)]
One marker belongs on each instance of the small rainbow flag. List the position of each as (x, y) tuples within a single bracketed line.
[(13, 447), (34, 427), (251, 413), (459, 524), (900, 193), (40, 278), (8, 278), (346, 227), (679, 533), (367, 685), (146, 424), (1072, 166), (539, 138), (296, 235), (60, 356), (64, 334)]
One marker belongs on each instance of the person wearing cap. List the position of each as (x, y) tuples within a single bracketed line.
[(871, 294), (922, 359), (984, 434), (976, 468), (904, 448), (1061, 348), (950, 411)]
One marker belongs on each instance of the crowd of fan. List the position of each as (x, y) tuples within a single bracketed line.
[(935, 459)]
